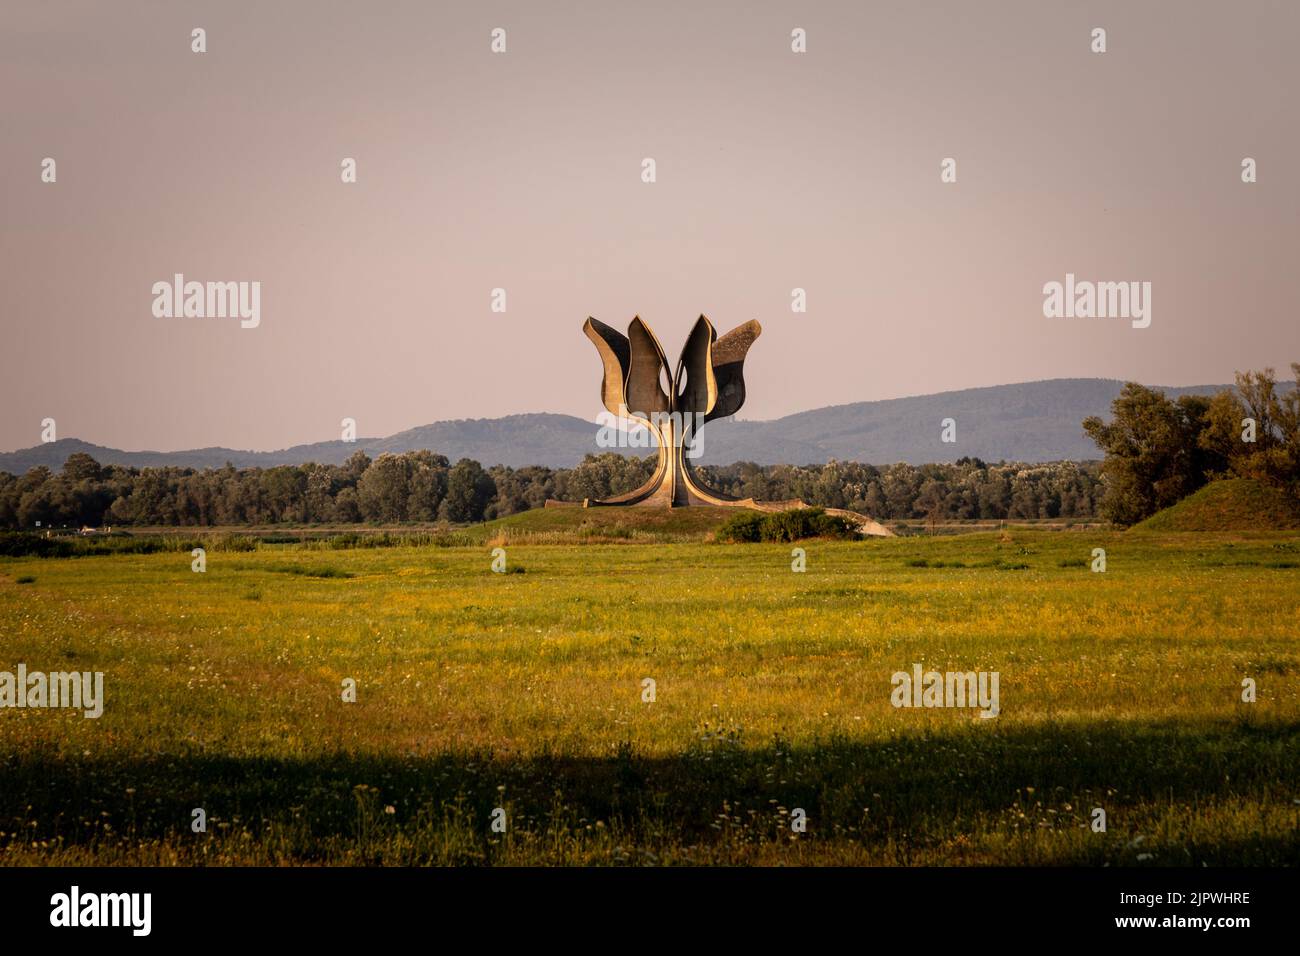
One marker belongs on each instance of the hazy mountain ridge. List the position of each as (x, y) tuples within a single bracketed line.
[(1028, 421)]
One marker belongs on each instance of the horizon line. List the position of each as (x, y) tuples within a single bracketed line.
[(375, 438)]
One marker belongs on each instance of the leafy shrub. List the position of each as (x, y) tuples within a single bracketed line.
[(786, 526), (779, 526), (805, 523), (742, 528)]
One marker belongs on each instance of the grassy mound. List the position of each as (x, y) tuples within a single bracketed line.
[(1235, 504)]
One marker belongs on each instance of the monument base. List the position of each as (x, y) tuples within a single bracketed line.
[(865, 525)]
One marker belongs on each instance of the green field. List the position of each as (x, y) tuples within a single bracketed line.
[(476, 690)]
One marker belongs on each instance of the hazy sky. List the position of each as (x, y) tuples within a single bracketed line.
[(522, 170)]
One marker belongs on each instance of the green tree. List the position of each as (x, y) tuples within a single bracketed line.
[(1151, 453), (384, 491), (81, 467), (428, 484), (469, 489)]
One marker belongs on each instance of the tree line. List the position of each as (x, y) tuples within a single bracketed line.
[(1159, 450), (421, 486)]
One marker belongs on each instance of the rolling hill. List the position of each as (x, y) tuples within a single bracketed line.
[(1030, 422)]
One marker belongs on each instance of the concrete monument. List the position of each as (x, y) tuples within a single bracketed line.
[(709, 383)]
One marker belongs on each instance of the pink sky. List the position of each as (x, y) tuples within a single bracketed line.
[(522, 170)]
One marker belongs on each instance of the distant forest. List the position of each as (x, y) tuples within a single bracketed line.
[(422, 486), (1157, 451)]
